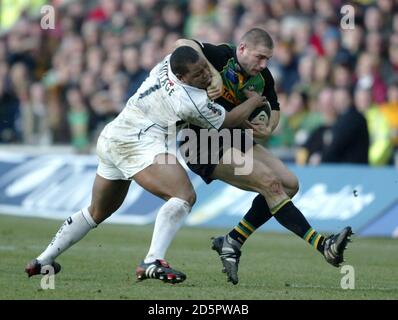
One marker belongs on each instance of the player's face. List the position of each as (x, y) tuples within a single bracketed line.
[(253, 59), (198, 74)]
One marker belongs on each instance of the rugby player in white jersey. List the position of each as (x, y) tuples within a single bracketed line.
[(133, 147)]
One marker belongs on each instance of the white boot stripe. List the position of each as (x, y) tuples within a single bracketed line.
[(149, 272)]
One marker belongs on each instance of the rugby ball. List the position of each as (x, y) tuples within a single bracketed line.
[(262, 113)]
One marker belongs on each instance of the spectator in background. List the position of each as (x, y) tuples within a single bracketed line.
[(149, 54), (91, 40), (292, 115), (322, 75), (387, 9), (368, 76), (374, 44), (391, 71), (350, 136), (78, 119), (103, 11), (390, 110), (352, 40), (172, 17), (104, 111), (136, 74), (334, 51), (297, 120), (311, 151), (90, 33), (287, 65), (36, 129), (380, 149), (17, 105), (200, 14), (306, 67), (373, 20), (341, 76), (226, 13), (9, 112)]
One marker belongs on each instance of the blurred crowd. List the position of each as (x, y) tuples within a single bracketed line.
[(338, 87)]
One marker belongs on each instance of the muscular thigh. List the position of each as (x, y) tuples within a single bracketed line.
[(227, 171), (261, 179), (288, 179), (165, 178)]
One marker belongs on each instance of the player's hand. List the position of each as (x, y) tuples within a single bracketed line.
[(257, 99), (214, 90), (260, 129), (250, 93)]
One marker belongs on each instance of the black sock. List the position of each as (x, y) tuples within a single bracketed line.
[(292, 219), (258, 214)]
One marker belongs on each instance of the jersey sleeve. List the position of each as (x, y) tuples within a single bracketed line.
[(217, 55), (269, 90), (195, 107)]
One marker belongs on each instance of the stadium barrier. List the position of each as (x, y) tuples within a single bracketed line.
[(331, 196)]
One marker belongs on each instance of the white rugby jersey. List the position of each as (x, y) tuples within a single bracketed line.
[(161, 101)]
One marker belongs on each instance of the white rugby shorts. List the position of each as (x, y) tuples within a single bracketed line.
[(121, 160)]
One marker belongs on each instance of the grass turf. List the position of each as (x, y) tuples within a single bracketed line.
[(273, 266)]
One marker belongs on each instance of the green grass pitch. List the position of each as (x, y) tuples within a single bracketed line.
[(273, 266)]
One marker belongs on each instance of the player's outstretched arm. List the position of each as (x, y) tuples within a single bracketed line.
[(274, 119), (240, 113), (214, 91)]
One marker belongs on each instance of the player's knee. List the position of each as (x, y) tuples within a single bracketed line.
[(293, 187), (98, 215), (272, 185), (296, 187), (190, 197)]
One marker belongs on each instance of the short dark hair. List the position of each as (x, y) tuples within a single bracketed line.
[(258, 36), (181, 57)]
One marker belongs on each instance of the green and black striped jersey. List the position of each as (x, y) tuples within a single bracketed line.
[(235, 80)]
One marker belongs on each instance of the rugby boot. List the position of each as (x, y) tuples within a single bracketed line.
[(34, 267), (159, 269), (335, 245), (229, 255)]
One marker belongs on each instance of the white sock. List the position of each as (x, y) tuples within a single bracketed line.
[(168, 221), (72, 230)]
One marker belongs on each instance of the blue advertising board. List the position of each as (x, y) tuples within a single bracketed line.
[(330, 197)]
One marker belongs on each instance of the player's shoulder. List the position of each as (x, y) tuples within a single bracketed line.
[(225, 48), (194, 101), (267, 76), (266, 73), (191, 96)]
